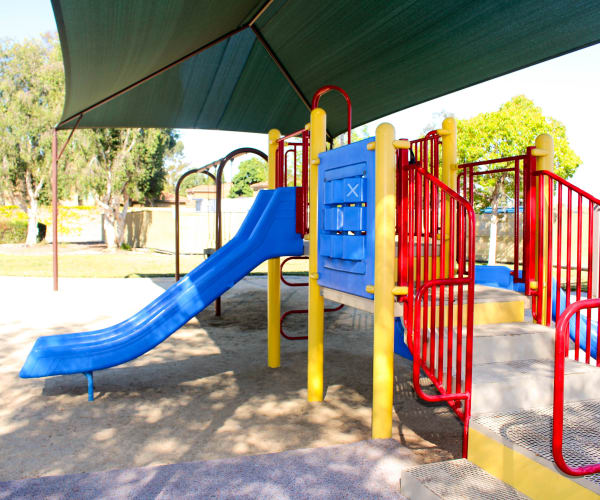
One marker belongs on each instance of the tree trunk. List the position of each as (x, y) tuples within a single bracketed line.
[(31, 208), (32, 220), (496, 196), (493, 236), (114, 223)]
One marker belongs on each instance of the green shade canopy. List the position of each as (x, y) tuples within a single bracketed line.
[(251, 65)]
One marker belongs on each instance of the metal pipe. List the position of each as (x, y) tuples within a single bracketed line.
[(54, 212), (328, 88), (219, 183), (177, 187)]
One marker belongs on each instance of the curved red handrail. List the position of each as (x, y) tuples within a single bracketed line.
[(328, 88), (302, 257), (297, 311), (562, 336), (566, 183)]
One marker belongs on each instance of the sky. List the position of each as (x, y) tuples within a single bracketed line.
[(566, 88)]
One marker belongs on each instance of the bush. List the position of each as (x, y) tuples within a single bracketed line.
[(13, 231)]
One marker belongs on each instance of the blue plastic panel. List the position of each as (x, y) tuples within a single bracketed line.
[(346, 212)]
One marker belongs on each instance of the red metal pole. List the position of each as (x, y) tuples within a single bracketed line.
[(327, 88), (54, 210)]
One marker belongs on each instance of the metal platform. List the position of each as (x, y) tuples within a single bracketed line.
[(530, 433), (455, 480)]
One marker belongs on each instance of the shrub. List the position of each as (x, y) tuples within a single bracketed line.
[(13, 231)]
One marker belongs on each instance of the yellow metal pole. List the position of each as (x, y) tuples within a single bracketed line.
[(544, 151), (318, 124), (385, 258), (273, 270), (449, 176)]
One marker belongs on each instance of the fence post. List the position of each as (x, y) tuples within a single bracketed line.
[(274, 286), (318, 124), (544, 151)]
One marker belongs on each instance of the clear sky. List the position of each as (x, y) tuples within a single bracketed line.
[(566, 88)]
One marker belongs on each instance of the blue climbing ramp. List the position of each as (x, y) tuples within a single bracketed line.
[(267, 232)]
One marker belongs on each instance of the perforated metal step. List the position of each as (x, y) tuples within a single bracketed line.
[(454, 480), (531, 431)]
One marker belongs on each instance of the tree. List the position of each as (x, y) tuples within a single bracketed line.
[(250, 172), (357, 134), (125, 166), (175, 166), (508, 132), (31, 95)]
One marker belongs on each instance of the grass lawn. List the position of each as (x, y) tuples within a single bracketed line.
[(121, 264)]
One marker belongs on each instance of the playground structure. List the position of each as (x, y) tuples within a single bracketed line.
[(391, 234)]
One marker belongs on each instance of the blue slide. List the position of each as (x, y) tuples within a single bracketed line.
[(268, 231), (500, 277)]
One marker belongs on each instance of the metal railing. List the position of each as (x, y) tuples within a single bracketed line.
[(519, 169), (436, 246), (561, 349), (426, 152)]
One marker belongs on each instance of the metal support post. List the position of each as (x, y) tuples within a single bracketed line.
[(273, 269), (318, 130), (385, 258)]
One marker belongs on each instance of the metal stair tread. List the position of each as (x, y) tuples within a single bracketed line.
[(455, 480), (531, 431), (537, 368), (508, 329)]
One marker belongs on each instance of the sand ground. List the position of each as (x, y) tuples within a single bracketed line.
[(204, 393)]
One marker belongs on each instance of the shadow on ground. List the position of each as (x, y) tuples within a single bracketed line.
[(206, 393)]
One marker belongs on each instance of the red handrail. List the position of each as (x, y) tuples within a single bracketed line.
[(520, 170), (560, 353), (328, 88), (432, 214), (297, 311), (281, 179), (426, 151)]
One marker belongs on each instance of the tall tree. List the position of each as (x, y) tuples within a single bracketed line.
[(31, 95), (125, 166), (249, 172), (508, 132)]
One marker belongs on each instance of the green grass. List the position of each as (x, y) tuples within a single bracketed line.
[(121, 264)]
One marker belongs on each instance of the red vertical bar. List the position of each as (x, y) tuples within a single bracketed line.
[(578, 290), (435, 271), (450, 326), (569, 215), (305, 180), (418, 228), (558, 250), (295, 165), (540, 228), (442, 296), (426, 274), (550, 220), (517, 221), (588, 339), (410, 262), (460, 298), (418, 264)]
